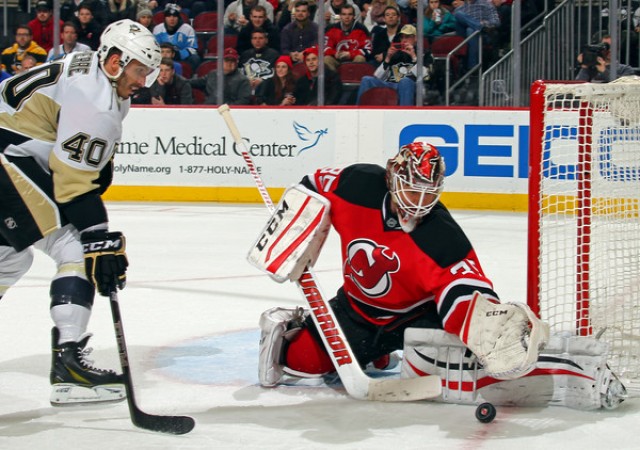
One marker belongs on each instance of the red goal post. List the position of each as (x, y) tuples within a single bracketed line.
[(584, 222)]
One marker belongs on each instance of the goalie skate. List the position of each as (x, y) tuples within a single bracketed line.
[(75, 380)]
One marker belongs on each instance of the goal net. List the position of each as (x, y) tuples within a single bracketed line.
[(584, 223)]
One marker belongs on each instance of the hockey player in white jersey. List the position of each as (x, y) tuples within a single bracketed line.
[(60, 125)]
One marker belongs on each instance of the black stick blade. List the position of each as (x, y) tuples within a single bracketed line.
[(163, 424)]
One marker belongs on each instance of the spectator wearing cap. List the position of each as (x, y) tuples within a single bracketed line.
[(70, 44), (167, 50), (12, 57), (236, 86), (42, 25), (399, 68), (279, 89), (145, 18), (180, 34), (306, 92)]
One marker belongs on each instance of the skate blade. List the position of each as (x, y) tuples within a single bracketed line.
[(66, 394)]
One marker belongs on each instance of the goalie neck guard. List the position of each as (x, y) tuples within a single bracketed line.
[(415, 178)]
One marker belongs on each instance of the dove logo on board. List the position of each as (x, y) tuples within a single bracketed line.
[(310, 138)]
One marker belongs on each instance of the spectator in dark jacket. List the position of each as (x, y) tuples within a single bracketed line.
[(170, 88), (306, 92), (258, 19), (237, 90)]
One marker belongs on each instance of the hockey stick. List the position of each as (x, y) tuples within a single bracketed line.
[(355, 381), (163, 424)]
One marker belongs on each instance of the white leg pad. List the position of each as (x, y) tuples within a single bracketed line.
[(506, 337), (571, 371), (277, 325)]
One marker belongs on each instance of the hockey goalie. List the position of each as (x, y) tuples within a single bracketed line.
[(413, 282)]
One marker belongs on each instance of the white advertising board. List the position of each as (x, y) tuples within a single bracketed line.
[(486, 150)]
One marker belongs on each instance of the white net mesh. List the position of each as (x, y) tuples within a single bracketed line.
[(589, 224)]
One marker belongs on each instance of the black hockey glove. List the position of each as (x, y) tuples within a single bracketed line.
[(105, 260)]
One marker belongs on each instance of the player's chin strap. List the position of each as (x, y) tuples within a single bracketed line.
[(506, 338)]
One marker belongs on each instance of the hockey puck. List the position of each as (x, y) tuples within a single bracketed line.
[(486, 412)]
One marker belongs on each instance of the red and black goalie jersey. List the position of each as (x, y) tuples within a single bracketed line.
[(388, 272)]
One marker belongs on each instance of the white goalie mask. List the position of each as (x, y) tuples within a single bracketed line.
[(415, 177), (135, 42)]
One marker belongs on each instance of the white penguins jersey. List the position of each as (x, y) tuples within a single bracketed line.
[(67, 116)]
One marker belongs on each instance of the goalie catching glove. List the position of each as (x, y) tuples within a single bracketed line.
[(505, 337), (105, 260)]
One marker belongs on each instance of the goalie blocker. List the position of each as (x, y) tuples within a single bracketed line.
[(293, 236)]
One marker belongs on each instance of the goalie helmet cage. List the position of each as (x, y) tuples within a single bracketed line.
[(584, 227)]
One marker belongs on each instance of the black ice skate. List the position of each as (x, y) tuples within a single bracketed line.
[(75, 380)]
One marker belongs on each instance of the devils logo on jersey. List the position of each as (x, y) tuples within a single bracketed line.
[(370, 266)]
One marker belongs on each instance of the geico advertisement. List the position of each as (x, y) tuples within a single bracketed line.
[(484, 150), (193, 147)]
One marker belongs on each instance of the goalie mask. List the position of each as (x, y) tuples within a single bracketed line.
[(415, 177), (134, 41)]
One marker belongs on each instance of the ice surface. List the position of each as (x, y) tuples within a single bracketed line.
[(190, 312)]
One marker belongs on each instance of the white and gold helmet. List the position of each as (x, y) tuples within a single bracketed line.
[(134, 41)]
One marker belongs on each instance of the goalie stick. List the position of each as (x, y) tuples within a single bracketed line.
[(355, 381), (162, 424)]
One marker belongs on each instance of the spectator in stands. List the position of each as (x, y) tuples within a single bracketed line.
[(122, 9), (145, 18), (28, 62), (178, 33), (332, 12), (595, 63), (279, 89), (399, 69), (384, 36), (237, 90), (12, 57), (306, 92), (70, 9), (258, 63), (42, 25), (258, 19), (474, 15), (437, 21), (69, 38), (375, 13), (89, 29), (169, 88), (167, 50), (300, 34), (237, 14), (346, 41)]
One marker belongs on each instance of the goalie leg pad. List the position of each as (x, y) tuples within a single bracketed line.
[(571, 371), (278, 326), (505, 337), (293, 236)]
